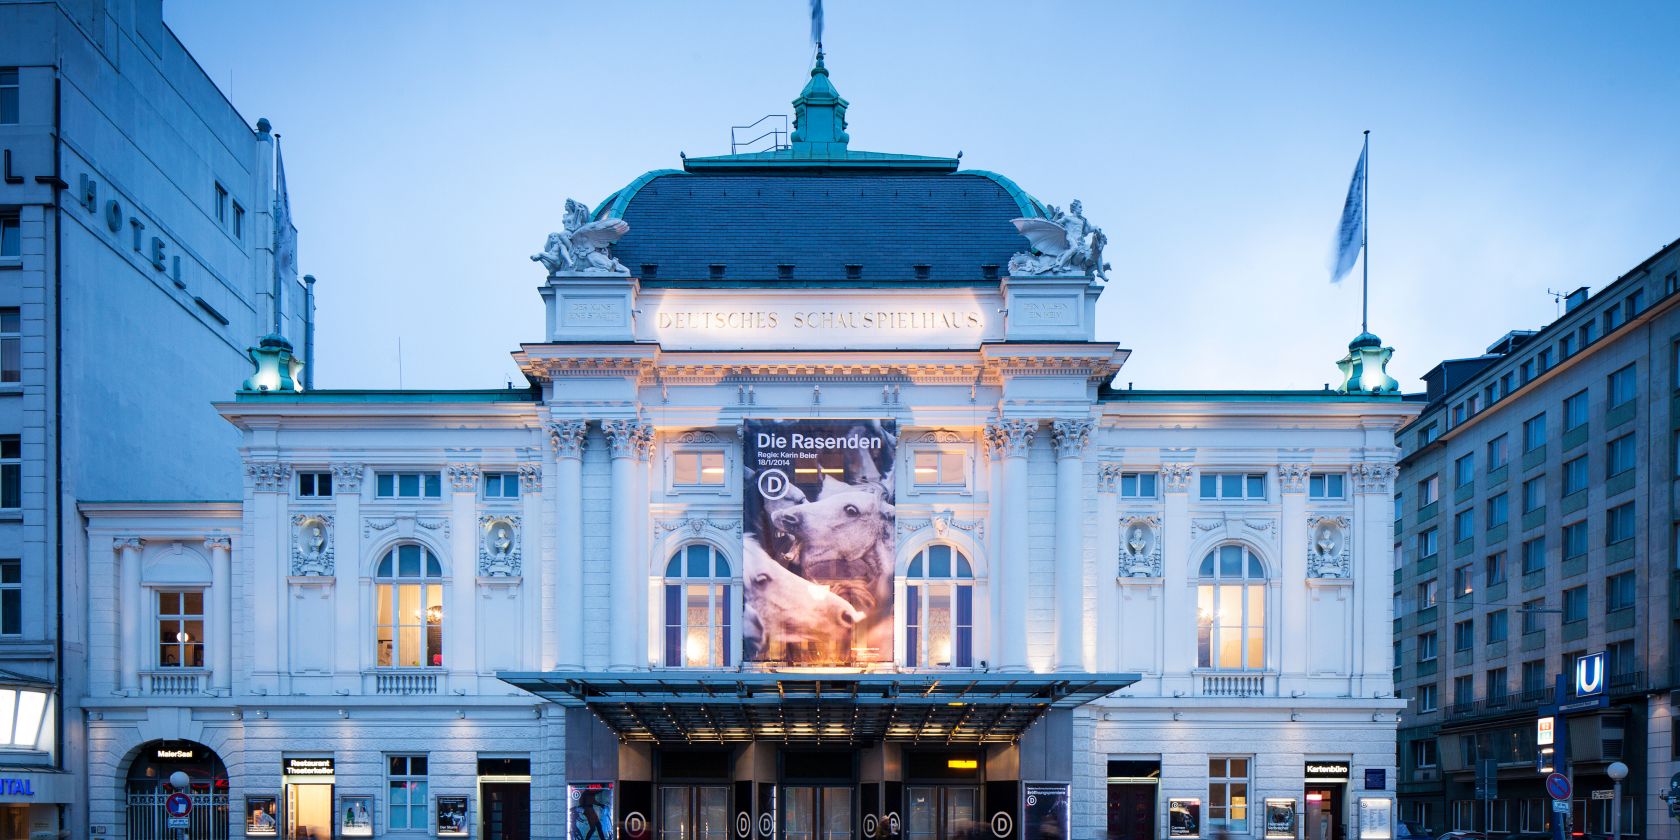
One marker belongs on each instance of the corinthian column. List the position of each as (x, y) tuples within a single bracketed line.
[(623, 440), (1014, 438), (1178, 636), (1373, 524), (1108, 550), (460, 654), (1071, 438), (1292, 533), (221, 614), (128, 613), (568, 438)]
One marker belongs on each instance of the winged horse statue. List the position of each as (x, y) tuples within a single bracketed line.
[(582, 246), (1064, 243)]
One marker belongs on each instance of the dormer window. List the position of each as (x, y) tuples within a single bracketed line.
[(988, 272), (784, 271), (923, 271), (717, 271), (854, 271), (650, 271)]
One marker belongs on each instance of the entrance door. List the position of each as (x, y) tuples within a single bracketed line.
[(940, 812), (506, 811), (1324, 812), (694, 812), (818, 813), (309, 812), (1131, 812)]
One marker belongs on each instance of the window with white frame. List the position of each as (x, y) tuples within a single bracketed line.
[(11, 345), (699, 605), (698, 468), (238, 222), (1499, 452), (1233, 485), (180, 639), (1464, 814), (1228, 795), (931, 467), (314, 485), (1427, 698), (408, 794), (1231, 610), (1429, 491), (501, 485), (939, 609), (1137, 485), (408, 485), (1327, 486), (221, 203), (11, 237), (1624, 386), (11, 597), (408, 609), (1423, 753)]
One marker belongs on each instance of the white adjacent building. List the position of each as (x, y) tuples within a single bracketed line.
[(542, 612)]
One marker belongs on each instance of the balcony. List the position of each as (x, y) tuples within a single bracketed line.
[(1235, 684), (175, 682), (1502, 705), (406, 683)]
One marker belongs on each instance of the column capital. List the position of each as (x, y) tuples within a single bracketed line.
[(1015, 436), (530, 478), (464, 477), (1108, 477), (1071, 436), (644, 442), (1175, 478), (624, 437), (1292, 478), (567, 437), (269, 476), (1375, 477), (218, 543), (348, 477), (128, 543)]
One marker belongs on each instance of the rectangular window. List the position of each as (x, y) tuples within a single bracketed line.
[(1635, 303), (1428, 543), (11, 237), (1568, 345), (705, 468), (1534, 555), (1400, 498), (1534, 494), (1429, 491), (180, 638), (1464, 581), (1464, 525), (1613, 318), (1497, 685), (1429, 594), (221, 205), (408, 485), (1544, 359), (1534, 621), (1327, 486), (1137, 485), (1426, 651), (238, 222), (1423, 751), (1233, 485), (1534, 432), (314, 485), (1574, 540), (1575, 411), (11, 345), (11, 597), (1464, 635), (1623, 386), (1499, 452), (501, 485), (1495, 568), (1621, 452), (1526, 372), (1498, 510), (9, 111), (1533, 677), (408, 793), (1426, 697), (1228, 797), (1575, 604), (1620, 591), (944, 468), (11, 472), (1498, 626), (1575, 476), (1464, 470), (1464, 690), (1619, 660), (1428, 434), (1619, 524), (1459, 412)]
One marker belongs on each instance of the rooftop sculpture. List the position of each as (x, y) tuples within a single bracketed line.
[(1064, 243), (582, 246)]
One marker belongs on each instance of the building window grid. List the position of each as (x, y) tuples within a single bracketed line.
[(1624, 386), (1574, 540), (221, 203), (1575, 411), (1327, 486), (1137, 485), (11, 472), (1575, 476), (699, 608), (314, 485), (1534, 432), (1619, 524), (11, 237), (501, 485), (1464, 635), (1426, 697), (1575, 604), (1533, 678), (11, 345), (949, 468), (1231, 610), (1534, 556), (1233, 486), (408, 608), (1534, 620), (939, 609), (1428, 543), (706, 468), (1228, 786), (408, 795), (11, 597), (180, 638), (1498, 626), (238, 221), (1621, 455), (1464, 525), (1464, 581), (1621, 592), (1428, 647), (10, 111), (1494, 569), (1498, 510), (1534, 494), (408, 485), (1499, 452), (1496, 688), (1464, 470)]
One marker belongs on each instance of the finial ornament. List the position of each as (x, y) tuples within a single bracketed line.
[(582, 247), (1365, 367), (1065, 243)]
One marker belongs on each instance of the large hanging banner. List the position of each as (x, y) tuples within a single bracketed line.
[(818, 559)]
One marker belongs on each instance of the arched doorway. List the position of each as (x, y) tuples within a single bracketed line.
[(149, 788)]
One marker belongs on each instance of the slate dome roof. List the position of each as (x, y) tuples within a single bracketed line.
[(818, 212)]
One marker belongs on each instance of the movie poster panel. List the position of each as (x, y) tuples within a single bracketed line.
[(589, 812), (818, 559), (1045, 814)]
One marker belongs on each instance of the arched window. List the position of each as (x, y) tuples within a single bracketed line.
[(939, 610), (1231, 610), (408, 608), (697, 608)]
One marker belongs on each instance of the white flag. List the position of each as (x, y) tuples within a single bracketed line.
[(1350, 236), (816, 22)]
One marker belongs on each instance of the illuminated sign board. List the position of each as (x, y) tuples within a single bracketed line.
[(1543, 735), (1326, 771), (1589, 675), (307, 767)]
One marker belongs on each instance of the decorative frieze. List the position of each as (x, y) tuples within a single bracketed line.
[(1328, 554), (1175, 478), (1140, 546), (347, 478), (463, 478), (568, 437), (696, 525), (312, 544), (941, 521), (269, 476), (436, 524), (1292, 478), (499, 553), (1374, 477), (701, 436), (1071, 436)]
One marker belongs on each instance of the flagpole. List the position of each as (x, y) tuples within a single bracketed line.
[(1365, 234)]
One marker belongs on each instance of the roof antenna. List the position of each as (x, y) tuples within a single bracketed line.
[(1557, 300)]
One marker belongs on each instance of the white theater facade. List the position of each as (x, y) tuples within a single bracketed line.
[(582, 609)]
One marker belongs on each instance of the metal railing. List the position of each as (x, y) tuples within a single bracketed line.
[(147, 819), (776, 132)]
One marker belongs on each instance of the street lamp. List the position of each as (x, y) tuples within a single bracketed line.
[(1617, 771)]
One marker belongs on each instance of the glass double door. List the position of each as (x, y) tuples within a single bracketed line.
[(940, 812), (694, 812), (818, 812)]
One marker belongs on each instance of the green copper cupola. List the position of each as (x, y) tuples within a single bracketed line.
[(819, 117)]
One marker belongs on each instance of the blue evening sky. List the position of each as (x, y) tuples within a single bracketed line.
[(1516, 147)]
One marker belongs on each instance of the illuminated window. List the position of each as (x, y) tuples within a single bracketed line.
[(699, 603), (180, 636), (941, 468), (939, 610), (1228, 795), (1231, 610), (408, 609), (697, 468)]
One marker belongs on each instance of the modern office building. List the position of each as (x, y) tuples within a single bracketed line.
[(820, 518), (135, 270), (1536, 524)]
